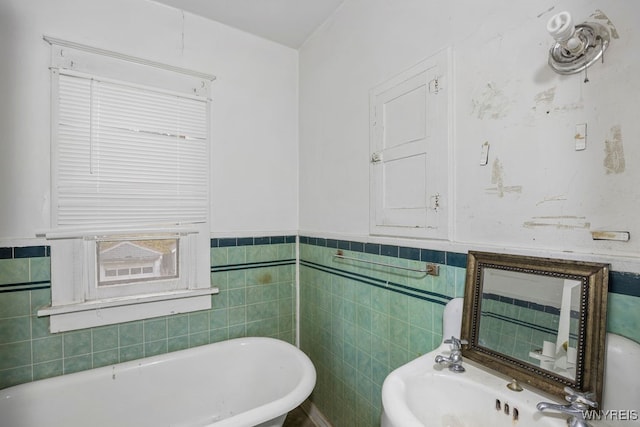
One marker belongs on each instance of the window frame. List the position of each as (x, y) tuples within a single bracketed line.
[(75, 300)]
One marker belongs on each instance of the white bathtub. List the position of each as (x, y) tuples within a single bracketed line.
[(240, 382)]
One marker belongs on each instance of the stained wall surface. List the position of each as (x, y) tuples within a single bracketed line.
[(536, 194)]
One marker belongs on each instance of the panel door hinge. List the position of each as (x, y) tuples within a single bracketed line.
[(376, 157), (435, 202), (435, 86)]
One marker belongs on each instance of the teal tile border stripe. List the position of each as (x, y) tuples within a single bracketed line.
[(382, 284), (28, 286), (527, 304), (624, 283), (19, 255), (226, 242), (520, 322), (250, 265), (621, 283), (24, 252), (453, 259)]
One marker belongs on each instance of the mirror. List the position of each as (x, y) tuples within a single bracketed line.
[(538, 320)]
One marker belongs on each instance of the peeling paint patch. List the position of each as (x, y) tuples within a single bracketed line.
[(497, 178), (570, 107), (500, 191), (599, 15), (492, 103), (543, 101), (614, 161), (558, 198), (564, 222), (547, 96)]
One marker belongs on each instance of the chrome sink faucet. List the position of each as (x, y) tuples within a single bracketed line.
[(454, 360), (579, 403)]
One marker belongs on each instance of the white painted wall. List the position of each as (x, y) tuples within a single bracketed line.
[(537, 194), (503, 90), (255, 131)]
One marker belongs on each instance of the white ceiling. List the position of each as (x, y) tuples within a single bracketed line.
[(289, 22)]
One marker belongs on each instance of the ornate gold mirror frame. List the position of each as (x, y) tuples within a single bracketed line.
[(541, 321)]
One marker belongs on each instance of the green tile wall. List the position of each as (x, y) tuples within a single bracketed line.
[(257, 290), (256, 278), (359, 322)]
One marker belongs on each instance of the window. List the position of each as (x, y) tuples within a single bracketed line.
[(130, 191), (409, 142), (135, 261)]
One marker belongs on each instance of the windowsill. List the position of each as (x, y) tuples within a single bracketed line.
[(124, 301), (70, 317)]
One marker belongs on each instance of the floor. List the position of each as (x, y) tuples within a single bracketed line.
[(298, 418)]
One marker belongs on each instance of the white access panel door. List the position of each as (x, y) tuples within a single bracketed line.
[(409, 130)]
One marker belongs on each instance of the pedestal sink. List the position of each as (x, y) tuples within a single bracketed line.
[(423, 393)]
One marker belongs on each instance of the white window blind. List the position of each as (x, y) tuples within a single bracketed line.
[(127, 154)]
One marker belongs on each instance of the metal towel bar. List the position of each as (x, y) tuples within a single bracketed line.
[(431, 269)]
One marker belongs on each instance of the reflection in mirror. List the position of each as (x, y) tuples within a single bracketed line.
[(531, 318), (539, 320)]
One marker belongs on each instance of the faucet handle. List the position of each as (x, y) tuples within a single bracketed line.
[(455, 342), (578, 398)]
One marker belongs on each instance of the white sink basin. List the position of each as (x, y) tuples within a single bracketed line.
[(423, 394)]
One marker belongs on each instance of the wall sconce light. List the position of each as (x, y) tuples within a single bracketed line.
[(576, 47)]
